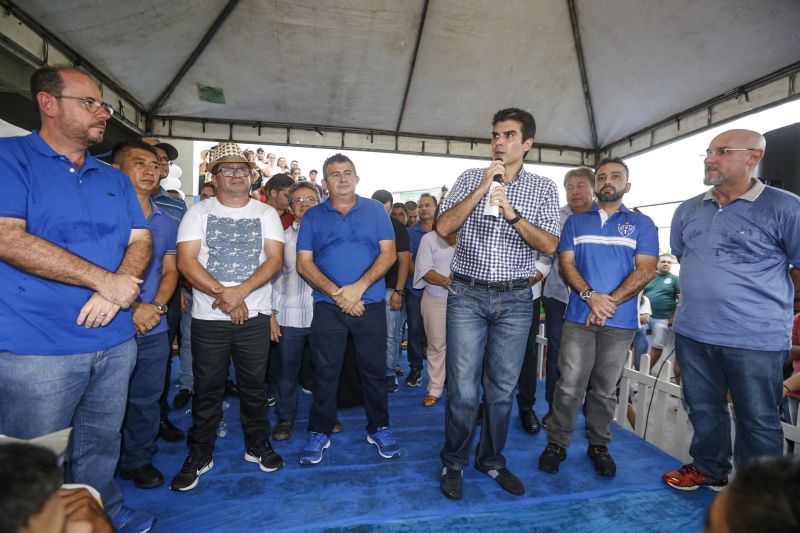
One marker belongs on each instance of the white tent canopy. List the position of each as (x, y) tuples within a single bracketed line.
[(425, 76)]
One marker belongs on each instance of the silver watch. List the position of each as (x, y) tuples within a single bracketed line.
[(161, 307)]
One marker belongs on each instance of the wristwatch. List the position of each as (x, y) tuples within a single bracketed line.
[(516, 218), (586, 294), (161, 307)]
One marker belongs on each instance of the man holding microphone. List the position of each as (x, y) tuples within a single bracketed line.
[(489, 309)]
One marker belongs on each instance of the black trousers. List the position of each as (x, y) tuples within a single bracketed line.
[(329, 331), (527, 377), (214, 343)]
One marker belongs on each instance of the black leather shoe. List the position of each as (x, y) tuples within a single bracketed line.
[(551, 458), (530, 422), (169, 432), (182, 398), (452, 483), (507, 481), (283, 430), (603, 462), (144, 477)]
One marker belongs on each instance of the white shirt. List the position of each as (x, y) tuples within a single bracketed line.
[(231, 250), (433, 254), (291, 295)]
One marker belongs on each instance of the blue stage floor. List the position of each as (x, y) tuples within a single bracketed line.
[(354, 489)]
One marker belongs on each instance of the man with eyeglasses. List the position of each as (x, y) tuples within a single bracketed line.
[(735, 244), (229, 247), (292, 310), (71, 265)]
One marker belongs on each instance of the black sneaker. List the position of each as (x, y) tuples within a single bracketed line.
[(144, 477), (283, 430), (603, 462), (414, 378), (265, 456), (182, 398), (192, 469), (452, 483), (507, 481), (551, 458), (391, 383), (530, 423)]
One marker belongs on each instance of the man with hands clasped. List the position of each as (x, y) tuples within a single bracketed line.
[(229, 247), (344, 248), (607, 255)]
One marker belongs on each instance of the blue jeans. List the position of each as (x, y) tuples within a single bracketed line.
[(290, 358), (394, 332), (554, 311), (140, 431), (186, 376), (40, 394), (416, 330), (755, 380), (487, 331), (640, 346)]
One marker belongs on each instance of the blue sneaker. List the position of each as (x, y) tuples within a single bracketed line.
[(315, 444), (387, 446), (128, 520)]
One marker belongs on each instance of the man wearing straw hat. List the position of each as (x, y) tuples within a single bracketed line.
[(229, 248)]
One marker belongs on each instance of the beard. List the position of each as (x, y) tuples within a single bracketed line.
[(609, 197), (713, 180)]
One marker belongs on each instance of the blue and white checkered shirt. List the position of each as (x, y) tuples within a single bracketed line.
[(488, 248)]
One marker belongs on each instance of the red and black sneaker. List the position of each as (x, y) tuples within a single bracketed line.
[(688, 477)]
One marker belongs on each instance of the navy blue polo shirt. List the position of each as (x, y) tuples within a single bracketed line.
[(88, 211), (604, 256), (345, 246)]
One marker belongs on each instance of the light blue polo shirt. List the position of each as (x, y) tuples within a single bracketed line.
[(89, 212), (735, 284), (345, 246), (604, 256)]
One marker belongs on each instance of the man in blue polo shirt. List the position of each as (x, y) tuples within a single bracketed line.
[(140, 431), (344, 248), (70, 267), (607, 255), (733, 325)]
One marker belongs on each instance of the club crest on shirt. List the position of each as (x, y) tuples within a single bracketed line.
[(626, 229)]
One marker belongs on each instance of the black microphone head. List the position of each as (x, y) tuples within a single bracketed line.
[(498, 178)]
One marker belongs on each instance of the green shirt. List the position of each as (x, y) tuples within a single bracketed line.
[(663, 292)]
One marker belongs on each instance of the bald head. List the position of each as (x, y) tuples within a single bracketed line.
[(743, 139), (732, 157)]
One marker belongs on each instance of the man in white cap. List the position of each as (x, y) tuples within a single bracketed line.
[(229, 247)]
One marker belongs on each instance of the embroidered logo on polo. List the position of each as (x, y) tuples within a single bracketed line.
[(626, 229)]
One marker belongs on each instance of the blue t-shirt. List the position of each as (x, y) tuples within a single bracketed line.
[(345, 246), (605, 256), (88, 211), (735, 284), (164, 232)]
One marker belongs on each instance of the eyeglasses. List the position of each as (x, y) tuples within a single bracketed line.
[(305, 200), (92, 105), (719, 152), (230, 172)]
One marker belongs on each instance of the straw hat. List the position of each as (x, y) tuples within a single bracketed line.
[(227, 153)]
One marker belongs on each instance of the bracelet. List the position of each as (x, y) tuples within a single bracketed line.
[(515, 219), (399, 291)]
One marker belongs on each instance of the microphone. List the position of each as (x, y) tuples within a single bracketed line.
[(493, 210)]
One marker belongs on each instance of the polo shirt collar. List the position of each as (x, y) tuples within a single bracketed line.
[(38, 144), (621, 209), (751, 195), (155, 208), (328, 205)]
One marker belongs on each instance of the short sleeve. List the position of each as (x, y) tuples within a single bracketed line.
[(16, 182), (424, 262), (548, 216), (460, 190), (401, 238), (172, 236), (647, 243), (191, 228), (567, 241), (271, 227), (675, 233), (305, 237), (383, 224)]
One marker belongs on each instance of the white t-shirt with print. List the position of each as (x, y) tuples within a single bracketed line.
[(231, 250)]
